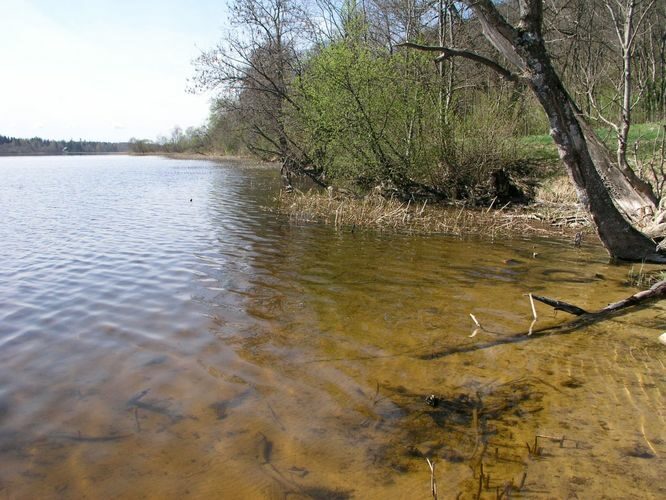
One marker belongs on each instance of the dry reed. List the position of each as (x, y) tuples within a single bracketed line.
[(381, 213)]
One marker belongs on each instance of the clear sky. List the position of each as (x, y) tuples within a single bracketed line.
[(103, 69)]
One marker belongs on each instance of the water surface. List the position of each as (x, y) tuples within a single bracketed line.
[(164, 334)]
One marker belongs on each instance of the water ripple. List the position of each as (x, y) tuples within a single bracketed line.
[(158, 324)]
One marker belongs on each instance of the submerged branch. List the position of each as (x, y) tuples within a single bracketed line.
[(559, 305), (636, 301)]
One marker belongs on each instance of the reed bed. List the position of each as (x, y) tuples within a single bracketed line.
[(378, 212)]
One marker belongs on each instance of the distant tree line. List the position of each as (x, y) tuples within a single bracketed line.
[(39, 146), (325, 87), (193, 139)]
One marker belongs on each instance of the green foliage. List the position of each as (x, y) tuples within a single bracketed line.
[(481, 141), (339, 101), (360, 115), (367, 118), (352, 114)]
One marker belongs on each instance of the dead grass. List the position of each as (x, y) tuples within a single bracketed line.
[(558, 189), (377, 212), (644, 278)]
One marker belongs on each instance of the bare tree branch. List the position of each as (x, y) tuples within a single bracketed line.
[(447, 53)]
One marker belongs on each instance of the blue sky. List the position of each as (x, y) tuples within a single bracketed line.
[(103, 69)]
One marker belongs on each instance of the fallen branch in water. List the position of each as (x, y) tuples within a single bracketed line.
[(583, 319), (559, 305), (656, 291)]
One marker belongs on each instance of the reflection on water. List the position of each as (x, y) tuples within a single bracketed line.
[(163, 334)]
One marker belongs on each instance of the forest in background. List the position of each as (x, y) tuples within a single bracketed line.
[(39, 146), (324, 88)]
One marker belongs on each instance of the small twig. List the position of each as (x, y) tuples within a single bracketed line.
[(433, 481), (556, 439), (505, 205), (534, 313), (491, 204), (478, 491), (136, 419), (522, 481), (478, 326), (533, 450)]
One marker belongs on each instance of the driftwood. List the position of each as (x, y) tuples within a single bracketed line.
[(657, 290), (636, 301), (559, 305)]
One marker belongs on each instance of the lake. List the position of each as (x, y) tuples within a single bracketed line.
[(165, 333)]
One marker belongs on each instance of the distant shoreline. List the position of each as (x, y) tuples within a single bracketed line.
[(110, 153)]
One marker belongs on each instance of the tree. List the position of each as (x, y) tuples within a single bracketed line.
[(626, 18), (581, 151), (360, 119), (253, 68)]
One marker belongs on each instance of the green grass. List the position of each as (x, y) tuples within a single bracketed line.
[(542, 147), (539, 147), (537, 140)]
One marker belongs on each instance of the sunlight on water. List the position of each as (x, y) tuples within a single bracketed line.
[(164, 334)]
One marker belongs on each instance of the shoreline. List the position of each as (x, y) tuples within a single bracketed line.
[(205, 156), (244, 161), (545, 218), (376, 213)]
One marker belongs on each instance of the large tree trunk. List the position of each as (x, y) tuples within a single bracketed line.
[(579, 148), (632, 195), (619, 237)]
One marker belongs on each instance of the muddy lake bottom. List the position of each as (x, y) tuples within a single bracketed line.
[(164, 333)]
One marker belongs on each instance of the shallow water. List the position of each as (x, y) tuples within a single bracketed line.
[(164, 334)]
